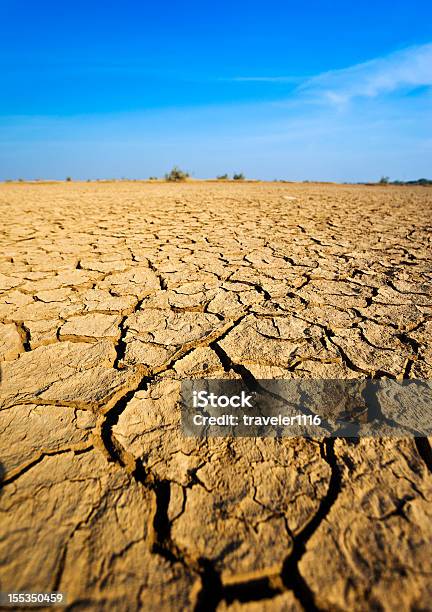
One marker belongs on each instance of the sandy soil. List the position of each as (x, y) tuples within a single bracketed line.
[(114, 293)]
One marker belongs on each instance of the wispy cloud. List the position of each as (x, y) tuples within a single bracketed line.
[(406, 69)]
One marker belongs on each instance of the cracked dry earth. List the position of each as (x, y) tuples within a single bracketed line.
[(114, 293)]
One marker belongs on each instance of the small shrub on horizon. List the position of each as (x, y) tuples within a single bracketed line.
[(68, 179), (222, 177), (239, 177), (176, 175), (384, 180)]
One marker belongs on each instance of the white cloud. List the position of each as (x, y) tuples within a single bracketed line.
[(409, 68), (405, 69)]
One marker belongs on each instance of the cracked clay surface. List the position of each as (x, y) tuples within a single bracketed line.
[(111, 294)]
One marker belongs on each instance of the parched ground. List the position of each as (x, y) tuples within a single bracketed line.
[(114, 293)]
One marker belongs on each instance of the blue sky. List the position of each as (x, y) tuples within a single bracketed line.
[(323, 90)]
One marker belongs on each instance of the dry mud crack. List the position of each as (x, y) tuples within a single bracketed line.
[(111, 294)]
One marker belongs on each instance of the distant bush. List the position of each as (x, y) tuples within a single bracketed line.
[(386, 181), (68, 179), (420, 181), (153, 178), (222, 177), (176, 175), (239, 177)]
